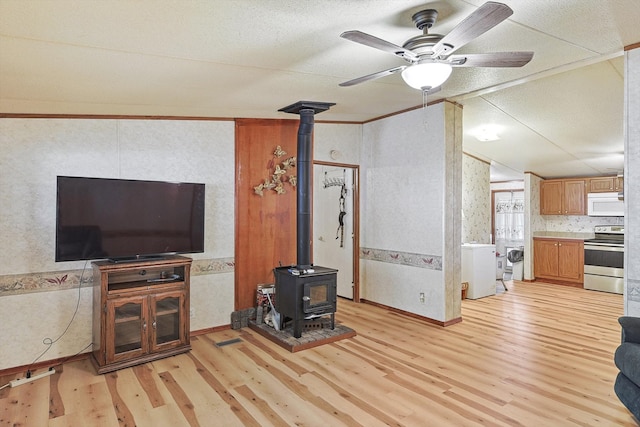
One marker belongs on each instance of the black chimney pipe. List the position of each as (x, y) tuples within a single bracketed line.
[(304, 188), (307, 111)]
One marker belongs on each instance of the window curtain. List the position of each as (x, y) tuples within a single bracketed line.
[(509, 216)]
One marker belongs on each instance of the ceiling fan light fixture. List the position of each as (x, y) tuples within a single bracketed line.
[(426, 75)]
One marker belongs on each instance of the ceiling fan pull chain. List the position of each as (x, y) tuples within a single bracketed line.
[(424, 106)]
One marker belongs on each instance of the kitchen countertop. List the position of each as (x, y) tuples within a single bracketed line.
[(563, 235)]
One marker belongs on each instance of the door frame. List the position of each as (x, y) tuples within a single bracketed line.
[(356, 221)]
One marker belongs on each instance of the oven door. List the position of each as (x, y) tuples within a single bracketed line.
[(604, 267)]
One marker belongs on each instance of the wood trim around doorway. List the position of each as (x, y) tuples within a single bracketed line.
[(356, 222)]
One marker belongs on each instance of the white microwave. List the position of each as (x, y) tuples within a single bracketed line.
[(604, 204)]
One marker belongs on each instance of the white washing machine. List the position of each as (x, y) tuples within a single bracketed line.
[(479, 269)]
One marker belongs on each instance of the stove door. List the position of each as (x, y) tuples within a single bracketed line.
[(603, 267), (603, 256), (320, 295)]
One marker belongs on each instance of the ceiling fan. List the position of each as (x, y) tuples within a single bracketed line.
[(430, 55)]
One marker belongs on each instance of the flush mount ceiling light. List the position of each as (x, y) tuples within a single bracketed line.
[(426, 74), (487, 133)]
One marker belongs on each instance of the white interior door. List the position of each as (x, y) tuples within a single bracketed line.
[(333, 219)]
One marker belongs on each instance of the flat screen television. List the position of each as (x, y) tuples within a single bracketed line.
[(122, 220)]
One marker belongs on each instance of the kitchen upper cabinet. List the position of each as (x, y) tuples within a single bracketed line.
[(574, 197), (558, 260), (563, 197), (605, 184), (551, 193)]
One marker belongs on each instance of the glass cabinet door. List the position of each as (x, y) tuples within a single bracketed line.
[(167, 312), (129, 327)]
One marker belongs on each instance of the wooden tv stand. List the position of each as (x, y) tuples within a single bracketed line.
[(140, 311)]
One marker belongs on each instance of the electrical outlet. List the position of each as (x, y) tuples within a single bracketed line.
[(192, 312), (422, 297)]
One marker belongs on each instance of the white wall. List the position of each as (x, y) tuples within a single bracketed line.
[(37, 295), (402, 218), (508, 185), (344, 139), (632, 182)]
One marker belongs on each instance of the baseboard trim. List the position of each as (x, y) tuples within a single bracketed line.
[(43, 365), (558, 282), (413, 315), (209, 330), (56, 362)]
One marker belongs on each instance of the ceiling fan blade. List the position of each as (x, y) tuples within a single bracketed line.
[(497, 59), (373, 76), (375, 42), (482, 20)]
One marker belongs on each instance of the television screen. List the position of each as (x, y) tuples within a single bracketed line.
[(99, 218)]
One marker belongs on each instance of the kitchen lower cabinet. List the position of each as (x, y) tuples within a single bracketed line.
[(558, 260)]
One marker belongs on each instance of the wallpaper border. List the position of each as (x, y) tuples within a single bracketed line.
[(430, 262), (18, 284)]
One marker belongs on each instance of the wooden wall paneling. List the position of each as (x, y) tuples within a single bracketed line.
[(265, 226)]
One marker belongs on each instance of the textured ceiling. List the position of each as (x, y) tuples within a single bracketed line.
[(560, 115)]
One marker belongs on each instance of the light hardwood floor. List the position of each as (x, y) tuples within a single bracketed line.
[(538, 355)]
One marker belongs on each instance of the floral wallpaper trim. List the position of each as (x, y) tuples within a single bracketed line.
[(16, 284), (200, 267), (633, 290), (431, 262)]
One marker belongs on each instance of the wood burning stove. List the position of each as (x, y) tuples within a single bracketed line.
[(305, 294), (304, 290)]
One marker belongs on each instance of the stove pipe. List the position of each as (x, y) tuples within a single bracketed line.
[(304, 188), (307, 111)]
